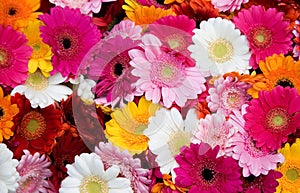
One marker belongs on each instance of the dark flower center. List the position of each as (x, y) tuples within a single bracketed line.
[(284, 82), (251, 178), (118, 69), (208, 174), (161, 2), (66, 43), (12, 11), (1, 112)]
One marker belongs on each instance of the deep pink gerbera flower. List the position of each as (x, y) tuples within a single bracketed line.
[(71, 35), (272, 117), (201, 171), (14, 57), (266, 31), (164, 73)]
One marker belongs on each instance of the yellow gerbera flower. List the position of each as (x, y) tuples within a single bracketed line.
[(146, 15), (126, 127), (41, 55), (290, 181), (7, 112), (277, 70), (18, 13)]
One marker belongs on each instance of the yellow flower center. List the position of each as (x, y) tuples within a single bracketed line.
[(178, 140), (93, 184), (220, 50), (33, 125), (37, 81), (292, 174), (3, 58), (167, 72)]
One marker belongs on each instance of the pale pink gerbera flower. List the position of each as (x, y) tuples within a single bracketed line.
[(164, 73), (266, 30), (34, 171), (126, 28), (251, 158), (86, 6), (227, 95), (215, 131), (130, 168), (226, 5)]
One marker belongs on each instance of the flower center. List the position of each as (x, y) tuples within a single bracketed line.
[(220, 50), (68, 43), (284, 82), (261, 37), (208, 174), (178, 140), (93, 184), (118, 69), (40, 50), (176, 41), (12, 11), (232, 98), (33, 125), (1, 112), (292, 174), (4, 58), (277, 119), (37, 81), (142, 120)]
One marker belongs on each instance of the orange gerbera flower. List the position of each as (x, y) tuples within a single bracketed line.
[(7, 113), (167, 186), (18, 13), (277, 70)]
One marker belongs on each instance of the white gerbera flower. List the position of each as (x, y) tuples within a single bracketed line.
[(87, 175), (42, 91), (8, 173), (167, 133), (220, 48)]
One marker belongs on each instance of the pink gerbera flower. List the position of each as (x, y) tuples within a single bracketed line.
[(272, 117), (130, 168), (201, 171), (296, 32), (251, 158), (126, 28), (263, 183), (70, 41), (34, 170), (226, 5), (227, 95), (216, 131), (164, 74), (266, 31), (14, 57)]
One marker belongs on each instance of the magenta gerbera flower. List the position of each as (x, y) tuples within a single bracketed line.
[(266, 31), (272, 117), (201, 171), (14, 57), (164, 73), (251, 158), (34, 171), (71, 35)]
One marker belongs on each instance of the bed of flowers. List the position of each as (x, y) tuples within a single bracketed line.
[(143, 96)]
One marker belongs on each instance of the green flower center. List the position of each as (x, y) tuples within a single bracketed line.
[(33, 125), (93, 184), (261, 37), (167, 72), (178, 140), (37, 81), (220, 50), (292, 174), (277, 119)]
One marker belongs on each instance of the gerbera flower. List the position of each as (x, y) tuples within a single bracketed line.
[(227, 94), (164, 74), (33, 170), (110, 67), (18, 13), (266, 32), (296, 32), (262, 183), (126, 127), (41, 55), (216, 131), (272, 75), (8, 174), (272, 117), (35, 129), (7, 113), (290, 181), (70, 41), (219, 51), (251, 158), (42, 91), (14, 57), (167, 186), (87, 174), (201, 170), (147, 15), (228, 5), (125, 28), (130, 168), (87, 7), (167, 133), (157, 3)]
